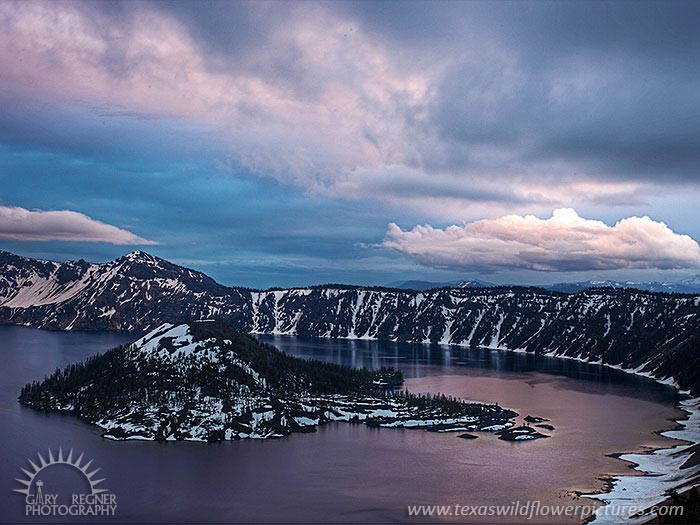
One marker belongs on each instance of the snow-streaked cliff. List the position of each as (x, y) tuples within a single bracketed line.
[(655, 334)]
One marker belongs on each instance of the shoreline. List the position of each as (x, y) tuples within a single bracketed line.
[(624, 490), (660, 470)]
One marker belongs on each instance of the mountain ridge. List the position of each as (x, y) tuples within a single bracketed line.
[(690, 285), (422, 286), (656, 334)]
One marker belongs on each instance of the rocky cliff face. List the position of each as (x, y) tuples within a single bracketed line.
[(134, 292), (649, 332)]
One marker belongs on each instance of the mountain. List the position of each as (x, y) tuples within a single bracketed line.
[(693, 282), (687, 286), (656, 334), (203, 381), (475, 283), (421, 285), (428, 285), (118, 295)]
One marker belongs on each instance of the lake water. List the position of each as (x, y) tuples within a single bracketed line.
[(348, 473)]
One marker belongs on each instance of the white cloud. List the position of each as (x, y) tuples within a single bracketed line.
[(563, 242), (19, 224)]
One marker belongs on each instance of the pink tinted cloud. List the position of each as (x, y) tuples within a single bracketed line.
[(347, 109), (349, 116), (19, 224), (563, 242)]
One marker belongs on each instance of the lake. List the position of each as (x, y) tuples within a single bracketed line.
[(348, 473)]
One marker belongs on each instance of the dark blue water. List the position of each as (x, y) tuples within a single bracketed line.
[(343, 473)]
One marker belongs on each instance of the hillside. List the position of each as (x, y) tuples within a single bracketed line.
[(203, 381)]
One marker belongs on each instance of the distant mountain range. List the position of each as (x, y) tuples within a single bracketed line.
[(651, 333), (688, 286), (428, 285)]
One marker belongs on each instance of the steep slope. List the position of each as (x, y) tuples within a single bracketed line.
[(652, 333), (203, 381), (27, 281), (634, 330), (137, 291)]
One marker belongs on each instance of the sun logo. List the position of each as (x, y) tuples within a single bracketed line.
[(83, 468)]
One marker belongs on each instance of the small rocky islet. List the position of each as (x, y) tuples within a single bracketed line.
[(520, 433)]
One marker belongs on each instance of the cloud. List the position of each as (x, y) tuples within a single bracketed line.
[(19, 224), (360, 100), (313, 101), (563, 242)]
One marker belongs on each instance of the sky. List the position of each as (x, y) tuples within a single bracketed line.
[(295, 143)]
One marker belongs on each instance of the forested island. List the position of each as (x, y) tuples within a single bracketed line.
[(204, 381)]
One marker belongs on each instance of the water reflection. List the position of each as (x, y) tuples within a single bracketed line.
[(419, 360), (345, 473)]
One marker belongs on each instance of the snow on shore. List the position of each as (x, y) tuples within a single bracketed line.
[(662, 468)]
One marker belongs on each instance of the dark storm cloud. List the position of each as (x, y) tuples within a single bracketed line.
[(564, 90), (548, 29), (229, 29), (610, 87)]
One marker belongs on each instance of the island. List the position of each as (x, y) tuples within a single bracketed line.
[(205, 381)]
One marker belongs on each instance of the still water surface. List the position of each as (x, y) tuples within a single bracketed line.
[(347, 473)]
